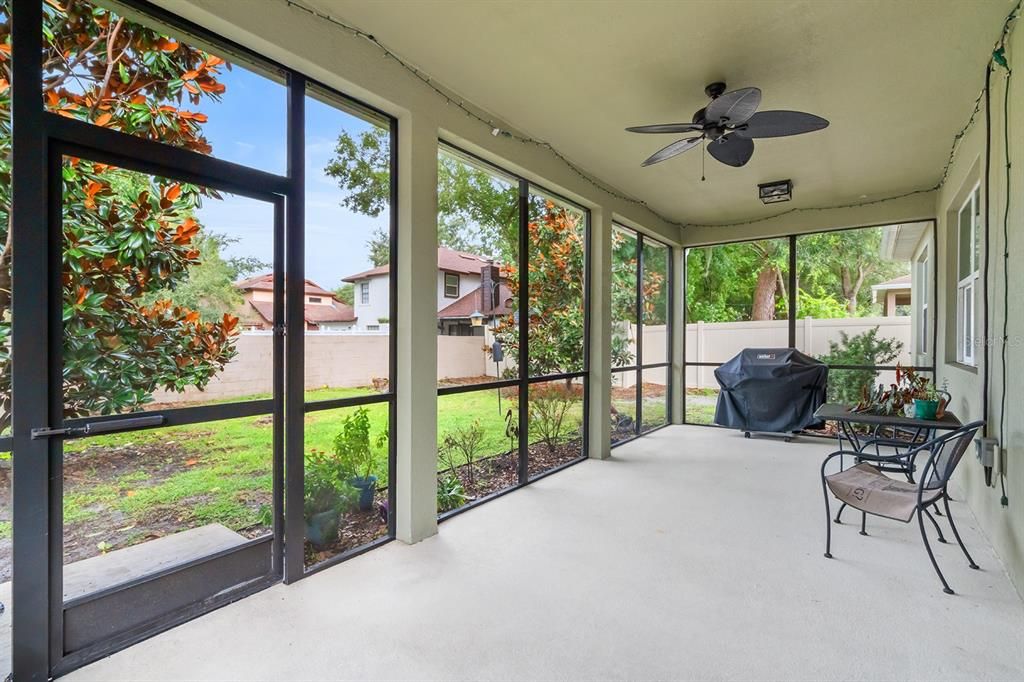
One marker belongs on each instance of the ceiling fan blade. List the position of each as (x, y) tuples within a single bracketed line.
[(732, 150), (666, 128), (781, 124), (734, 107), (673, 149)]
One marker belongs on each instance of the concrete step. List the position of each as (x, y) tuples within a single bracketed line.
[(127, 564)]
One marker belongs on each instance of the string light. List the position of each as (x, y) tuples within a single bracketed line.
[(497, 131)]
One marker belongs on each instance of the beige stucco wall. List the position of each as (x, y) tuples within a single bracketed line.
[(332, 360), (1003, 525)]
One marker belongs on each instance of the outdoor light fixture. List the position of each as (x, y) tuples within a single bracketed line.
[(477, 319), (774, 192)]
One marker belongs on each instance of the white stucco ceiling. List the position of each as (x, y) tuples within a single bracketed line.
[(897, 80)]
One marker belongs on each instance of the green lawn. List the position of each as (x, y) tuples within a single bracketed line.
[(700, 405), (221, 471)]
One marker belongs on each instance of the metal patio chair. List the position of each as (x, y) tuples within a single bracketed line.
[(866, 488), (901, 440)]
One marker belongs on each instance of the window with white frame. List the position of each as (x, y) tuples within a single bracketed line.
[(924, 294), (968, 255), (451, 285), (364, 293)]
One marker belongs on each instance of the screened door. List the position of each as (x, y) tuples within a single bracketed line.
[(167, 487)]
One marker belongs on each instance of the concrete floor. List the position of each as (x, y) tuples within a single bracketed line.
[(692, 554)]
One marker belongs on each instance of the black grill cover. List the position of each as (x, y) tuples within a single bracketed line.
[(770, 389)]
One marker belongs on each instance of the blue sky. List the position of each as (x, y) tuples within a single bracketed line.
[(248, 126)]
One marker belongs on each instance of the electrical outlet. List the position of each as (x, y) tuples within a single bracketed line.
[(987, 448)]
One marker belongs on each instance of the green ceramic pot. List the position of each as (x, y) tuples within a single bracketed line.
[(925, 409)]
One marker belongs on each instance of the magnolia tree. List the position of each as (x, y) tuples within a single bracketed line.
[(653, 292), (554, 291), (129, 239)]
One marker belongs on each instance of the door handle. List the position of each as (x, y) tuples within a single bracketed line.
[(95, 428)]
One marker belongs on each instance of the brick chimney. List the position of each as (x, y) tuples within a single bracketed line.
[(490, 278)]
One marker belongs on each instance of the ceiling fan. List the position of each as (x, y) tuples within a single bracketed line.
[(730, 126)]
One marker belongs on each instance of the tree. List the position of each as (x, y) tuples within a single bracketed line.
[(126, 235), (210, 286), (845, 263), (379, 245), (746, 281), (734, 282), (476, 211), (555, 292), (346, 293)]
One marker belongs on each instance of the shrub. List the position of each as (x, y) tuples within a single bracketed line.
[(450, 493), (326, 484), (464, 441), (549, 407), (845, 386), (352, 445)]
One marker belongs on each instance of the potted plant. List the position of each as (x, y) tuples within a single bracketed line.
[(926, 401), (352, 448), (326, 497)]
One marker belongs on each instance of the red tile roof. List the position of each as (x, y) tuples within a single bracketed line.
[(266, 283), (448, 260), (313, 314), (471, 303)]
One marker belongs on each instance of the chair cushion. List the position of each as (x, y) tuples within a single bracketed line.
[(866, 488)]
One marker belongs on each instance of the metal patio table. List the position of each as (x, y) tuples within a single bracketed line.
[(916, 430)]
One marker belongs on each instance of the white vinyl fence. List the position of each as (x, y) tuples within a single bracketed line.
[(719, 341)]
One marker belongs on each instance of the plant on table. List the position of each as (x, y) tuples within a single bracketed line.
[(911, 390), (355, 454)]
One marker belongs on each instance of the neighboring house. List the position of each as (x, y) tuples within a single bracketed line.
[(911, 243), (321, 310), (894, 295), (462, 279)]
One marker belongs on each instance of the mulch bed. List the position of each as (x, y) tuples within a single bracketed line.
[(488, 476), (356, 529), (499, 472), (649, 391)]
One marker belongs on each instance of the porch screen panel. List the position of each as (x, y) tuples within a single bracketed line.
[(556, 239), (478, 446), (556, 316), (348, 287), (654, 296), (161, 87), (478, 256), (737, 296), (348, 348), (625, 321), (623, 405), (858, 296)]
